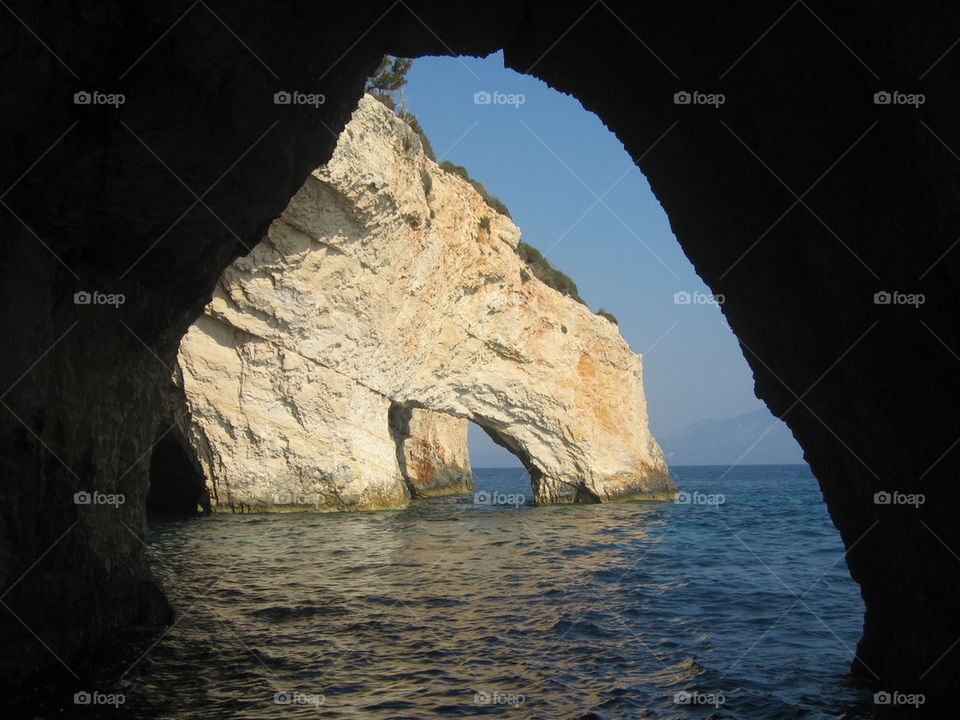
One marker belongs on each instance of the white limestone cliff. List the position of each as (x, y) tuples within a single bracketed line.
[(336, 363)]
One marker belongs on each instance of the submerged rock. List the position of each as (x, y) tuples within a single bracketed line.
[(338, 362)]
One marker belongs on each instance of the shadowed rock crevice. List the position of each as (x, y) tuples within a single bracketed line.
[(177, 484), (398, 421)]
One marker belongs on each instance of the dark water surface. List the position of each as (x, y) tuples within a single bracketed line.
[(456, 609)]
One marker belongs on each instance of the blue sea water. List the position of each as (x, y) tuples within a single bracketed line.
[(733, 603)]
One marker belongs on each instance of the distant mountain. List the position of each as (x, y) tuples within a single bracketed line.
[(756, 438)]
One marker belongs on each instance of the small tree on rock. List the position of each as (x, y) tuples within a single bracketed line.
[(390, 76)]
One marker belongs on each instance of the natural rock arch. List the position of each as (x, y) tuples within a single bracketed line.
[(387, 288), (796, 207)]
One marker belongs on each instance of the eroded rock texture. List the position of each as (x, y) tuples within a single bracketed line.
[(387, 285), (798, 199), (272, 429)]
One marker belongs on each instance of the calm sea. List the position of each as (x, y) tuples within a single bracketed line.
[(736, 603)]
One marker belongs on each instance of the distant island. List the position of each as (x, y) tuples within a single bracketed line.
[(746, 440)]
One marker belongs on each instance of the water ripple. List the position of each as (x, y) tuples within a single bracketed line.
[(448, 610)]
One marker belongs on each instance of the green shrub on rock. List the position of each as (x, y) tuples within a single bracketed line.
[(546, 273), (607, 315)]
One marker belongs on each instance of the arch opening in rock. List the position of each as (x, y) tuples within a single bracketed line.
[(530, 472), (575, 492)]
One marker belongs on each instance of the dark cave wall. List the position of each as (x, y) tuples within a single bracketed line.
[(113, 207), (869, 390), (879, 204)]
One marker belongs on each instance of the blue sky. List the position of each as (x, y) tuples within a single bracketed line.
[(550, 160)]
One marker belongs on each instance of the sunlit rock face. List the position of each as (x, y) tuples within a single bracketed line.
[(388, 288), (274, 430)]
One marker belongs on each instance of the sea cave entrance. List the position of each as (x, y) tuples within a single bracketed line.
[(177, 485), (713, 174), (650, 272)]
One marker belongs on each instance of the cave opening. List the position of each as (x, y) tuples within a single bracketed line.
[(682, 321), (712, 197), (177, 485), (800, 96)]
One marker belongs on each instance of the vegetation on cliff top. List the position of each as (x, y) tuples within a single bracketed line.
[(390, 75), (389, 78), (608, 316), (546, 273)]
